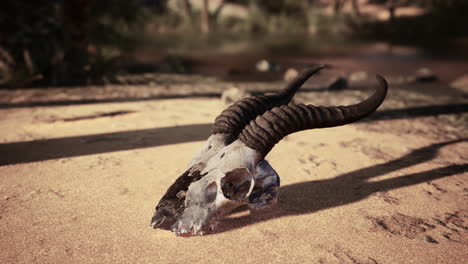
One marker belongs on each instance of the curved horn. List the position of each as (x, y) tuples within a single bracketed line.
[(234, 118), (268, 129)]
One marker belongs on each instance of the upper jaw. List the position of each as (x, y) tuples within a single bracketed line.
[(160, 221), (194, 227)]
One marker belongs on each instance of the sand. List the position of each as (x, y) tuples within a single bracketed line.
[(78, 184)]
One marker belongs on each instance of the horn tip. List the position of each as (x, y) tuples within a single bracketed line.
[(313, 70), (382, 81), (319, 67)]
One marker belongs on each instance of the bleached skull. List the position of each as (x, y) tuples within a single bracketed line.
[(230, 170)]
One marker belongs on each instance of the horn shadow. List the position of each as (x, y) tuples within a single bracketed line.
[(312, 196)]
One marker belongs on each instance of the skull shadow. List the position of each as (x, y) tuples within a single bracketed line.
[(312, 196)]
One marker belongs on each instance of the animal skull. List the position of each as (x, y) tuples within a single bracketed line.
[(230, 170)]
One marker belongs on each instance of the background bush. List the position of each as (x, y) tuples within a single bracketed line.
[(75, 42), (53, 42)]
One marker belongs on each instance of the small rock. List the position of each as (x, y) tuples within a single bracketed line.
[(359, 77), (233, 94), (263, 66), (338, 83), (423, 75), (290, 74), (461, 83), (267, 66)]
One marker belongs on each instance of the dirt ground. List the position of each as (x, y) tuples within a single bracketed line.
[(81, 171)]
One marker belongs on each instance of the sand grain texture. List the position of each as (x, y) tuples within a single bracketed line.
[(78, 185)]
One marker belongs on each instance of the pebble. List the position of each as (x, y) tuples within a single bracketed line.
[(290, 74), (423, 75), (267, 66), (233, 94), (263, 66), (338, 83), (358, 77)]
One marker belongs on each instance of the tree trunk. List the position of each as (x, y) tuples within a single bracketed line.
[(391, 9), (6, 66), (356, 9), (205, 18), (75, 15), (337, 6), (187, 12), (311, 26), (253, 11)]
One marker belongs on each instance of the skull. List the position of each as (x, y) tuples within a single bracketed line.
[(230, 170)]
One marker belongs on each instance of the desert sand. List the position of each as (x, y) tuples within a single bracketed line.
[(79, 183)]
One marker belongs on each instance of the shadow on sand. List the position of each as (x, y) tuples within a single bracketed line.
[(55, 148), (46, 149), (313, 196)]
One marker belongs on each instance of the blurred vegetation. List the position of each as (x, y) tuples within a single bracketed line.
[(324, 19), (74, 42), (442, 20)]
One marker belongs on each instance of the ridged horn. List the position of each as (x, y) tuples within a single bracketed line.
[(268, 129), (234, 118)]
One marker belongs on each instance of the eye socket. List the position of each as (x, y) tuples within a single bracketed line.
[(210, 192), (236, 184)]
